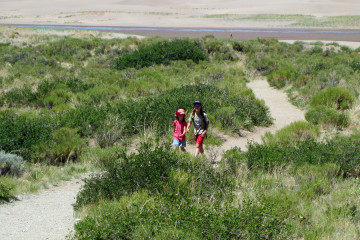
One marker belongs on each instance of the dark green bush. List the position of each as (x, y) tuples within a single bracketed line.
[(87, 118), (63, 146), (161, 53), (322, 115), (11, 164), (19, 132), (333, 97), (157, 111)]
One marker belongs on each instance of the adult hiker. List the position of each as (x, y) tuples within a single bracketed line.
[(201, 123)]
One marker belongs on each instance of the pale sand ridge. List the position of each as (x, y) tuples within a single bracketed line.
[(164, 13)]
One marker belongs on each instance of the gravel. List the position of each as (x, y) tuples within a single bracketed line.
[(47, 215)]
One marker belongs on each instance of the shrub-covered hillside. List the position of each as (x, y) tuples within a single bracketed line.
[(77, 105), (60, 98), (324, 77)]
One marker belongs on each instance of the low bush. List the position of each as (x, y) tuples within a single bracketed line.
[(290, 135), (157, 170), (140, 216), (19, 132), (333, 97), (5, 192), (103, 157), (11, 164), (325, 116), (341, 150), (161, 53), (63, 146), (110, 131)]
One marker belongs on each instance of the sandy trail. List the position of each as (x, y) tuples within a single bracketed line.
[(280, 108), (48, 215)]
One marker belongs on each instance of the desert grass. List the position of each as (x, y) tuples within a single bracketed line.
[(40, 176)]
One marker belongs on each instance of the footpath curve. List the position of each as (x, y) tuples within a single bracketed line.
[(49, 214), (280, 108)]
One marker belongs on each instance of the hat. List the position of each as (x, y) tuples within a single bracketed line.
[(180, 112), (197, 102)]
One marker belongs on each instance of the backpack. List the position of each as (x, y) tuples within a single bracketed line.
[(203, 118)]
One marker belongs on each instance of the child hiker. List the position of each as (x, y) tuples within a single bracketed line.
[(180, 127), (201, 124)]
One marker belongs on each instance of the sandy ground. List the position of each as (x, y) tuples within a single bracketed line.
[(164, 13), (47, 215)]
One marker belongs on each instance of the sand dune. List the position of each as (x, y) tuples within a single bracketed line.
[(163, 13)]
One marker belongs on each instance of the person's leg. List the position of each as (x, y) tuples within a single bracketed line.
[(201, 149), (199, 145), (197, 150), (182, 146), (176, 144)]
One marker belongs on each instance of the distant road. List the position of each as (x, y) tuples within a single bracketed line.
[(235, 33)]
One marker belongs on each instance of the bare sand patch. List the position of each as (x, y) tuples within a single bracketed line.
[(164, 13)]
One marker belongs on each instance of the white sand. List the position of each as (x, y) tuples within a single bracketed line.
[(162, 13)]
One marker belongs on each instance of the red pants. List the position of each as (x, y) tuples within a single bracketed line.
[(199, 139)]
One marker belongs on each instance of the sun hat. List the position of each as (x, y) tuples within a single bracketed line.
[(197, 102), (180, 112)]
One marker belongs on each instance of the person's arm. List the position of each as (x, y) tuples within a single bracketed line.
[(188, 126), (184, 131), (206, 128)]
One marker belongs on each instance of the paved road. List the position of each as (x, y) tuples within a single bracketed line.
[(235, 33)]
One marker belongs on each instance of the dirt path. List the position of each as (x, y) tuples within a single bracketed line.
[(48, 215), (281, 110)]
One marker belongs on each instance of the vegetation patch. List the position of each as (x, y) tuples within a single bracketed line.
[(161, 53), (160, 194), (11, 164), (340, 150)]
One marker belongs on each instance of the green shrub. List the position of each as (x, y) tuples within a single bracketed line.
[(87, 118), (322, 115), (18, 97), (18, 133), (289, 135), (110, 131), (64, 145), (5, 192), (11, 164), (105, 158), (140, 216), (341, 150), (157, 170), (161, 53), (334, 97)]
